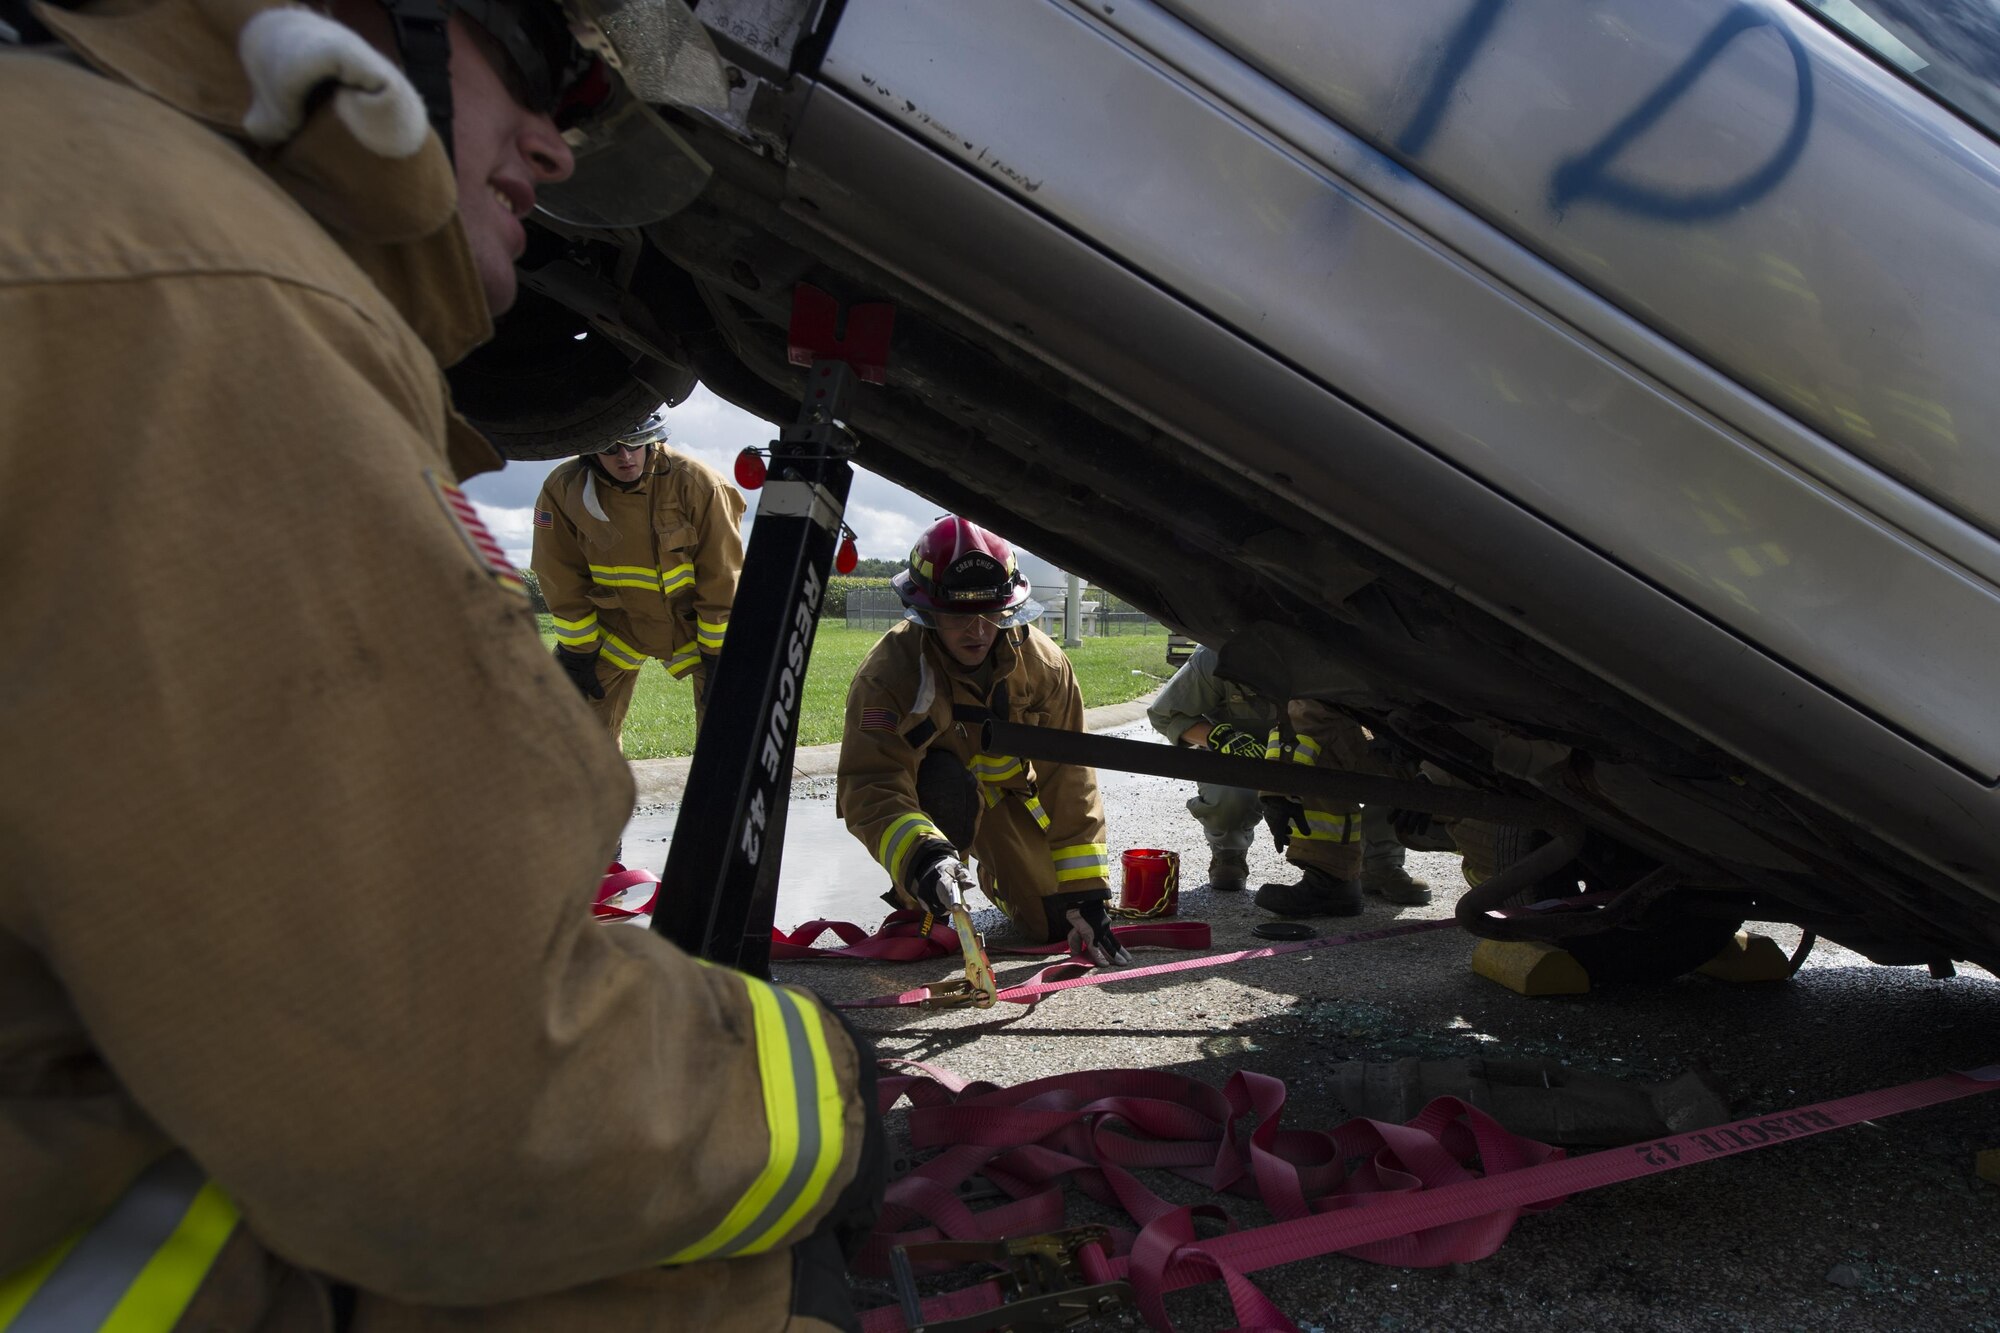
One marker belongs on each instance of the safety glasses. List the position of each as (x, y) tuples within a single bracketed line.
[(956, 620), (617, 448)]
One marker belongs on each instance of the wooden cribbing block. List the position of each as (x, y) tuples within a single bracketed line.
[(1749, 958), (1528, 967)]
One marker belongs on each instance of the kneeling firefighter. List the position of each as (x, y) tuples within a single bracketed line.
[(233, 238), (967, 652)]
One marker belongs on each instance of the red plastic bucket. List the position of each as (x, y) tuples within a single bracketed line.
[(1151, 884)]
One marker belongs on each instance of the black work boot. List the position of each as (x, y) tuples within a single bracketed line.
[(1316, 894), (1228, 871)]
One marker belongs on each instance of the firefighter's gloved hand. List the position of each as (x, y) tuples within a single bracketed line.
[(942, 883), (1225, 739), (1090, 935), (1410, 823), (1281, 815), (582, 668)]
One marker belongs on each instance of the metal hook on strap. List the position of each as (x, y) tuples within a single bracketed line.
[(1042, 1283)]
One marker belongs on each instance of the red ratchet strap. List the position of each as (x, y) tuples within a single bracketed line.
[(611, 891), (1415, 1199), (903, 938), (1067, 975)]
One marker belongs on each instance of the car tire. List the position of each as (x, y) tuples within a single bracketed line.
[(1487, 847), (1653, 955), (1637, 957), (539, 391)]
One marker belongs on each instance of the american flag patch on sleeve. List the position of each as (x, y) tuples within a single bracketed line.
[(878, 719), (544, 518), (464, 516)]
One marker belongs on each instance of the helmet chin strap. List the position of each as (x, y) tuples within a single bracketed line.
[(423, 41)]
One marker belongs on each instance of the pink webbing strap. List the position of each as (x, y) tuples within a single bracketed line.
[(1403, 1207), (1066, 975), (612, 888), (901, 938), (1027, 1140)]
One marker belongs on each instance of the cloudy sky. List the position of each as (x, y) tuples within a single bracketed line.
[(886, 518)]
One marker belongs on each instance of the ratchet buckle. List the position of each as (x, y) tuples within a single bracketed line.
[(1043, 1286)]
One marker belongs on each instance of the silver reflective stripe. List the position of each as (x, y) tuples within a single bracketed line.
[(92, 1278), (1080, 862), (1341, 827), (805, 1105)]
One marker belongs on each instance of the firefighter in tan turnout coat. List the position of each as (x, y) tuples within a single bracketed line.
[(298, 658), (968, 652), (638, 549)]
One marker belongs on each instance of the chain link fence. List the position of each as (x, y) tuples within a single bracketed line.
[(873, 608), (880, 609)]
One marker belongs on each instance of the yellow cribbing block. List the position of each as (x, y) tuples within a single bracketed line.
[(1987, 1164), (1749, 958), (1529, 967)]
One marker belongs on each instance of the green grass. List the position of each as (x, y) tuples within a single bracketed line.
[(661, 721)]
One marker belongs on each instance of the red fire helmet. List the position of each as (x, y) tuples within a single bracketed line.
[(959, 568)]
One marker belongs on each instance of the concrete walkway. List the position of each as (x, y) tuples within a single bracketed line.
[(662, 781)]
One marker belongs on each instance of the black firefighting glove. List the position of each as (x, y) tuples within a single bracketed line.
[(582, 668), (1410, 823), (1281, 815), (1225, 739), (1090, 935)]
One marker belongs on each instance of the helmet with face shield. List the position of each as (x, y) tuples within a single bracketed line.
[(958, 568), (596, 68)]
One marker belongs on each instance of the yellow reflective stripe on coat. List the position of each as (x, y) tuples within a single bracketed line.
[(136, 1268), (1085, 860), (1041, 816), (625, 576), (622, 654), (805, 1118), (673, 580), (709, 635), (1326, 826), (1307, 751), (684, 661), (903, 833), (576, 633)]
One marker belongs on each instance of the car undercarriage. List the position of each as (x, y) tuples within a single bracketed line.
[(1150, 500)]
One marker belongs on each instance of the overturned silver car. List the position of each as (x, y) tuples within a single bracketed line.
[(1594, 401)]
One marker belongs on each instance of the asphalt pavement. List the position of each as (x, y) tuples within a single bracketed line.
[(1878, 1227)]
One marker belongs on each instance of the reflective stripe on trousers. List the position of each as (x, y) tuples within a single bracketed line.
[(135, 1269), (1330, 826), (1083, 860)]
